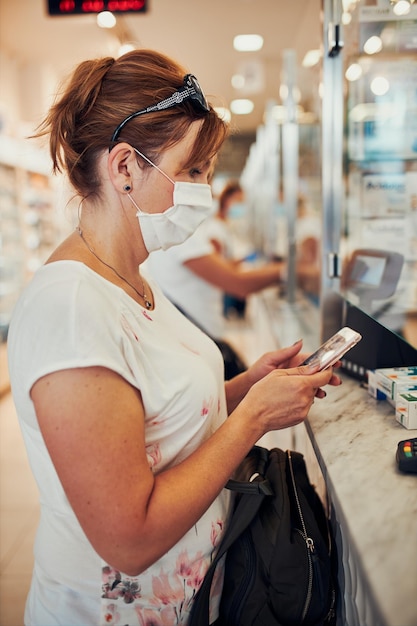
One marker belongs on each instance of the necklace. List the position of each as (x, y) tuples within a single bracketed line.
[(143, 296)]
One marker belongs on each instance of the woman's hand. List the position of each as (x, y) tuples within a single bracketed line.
[(278, 359), (284, 397), (283, 359)]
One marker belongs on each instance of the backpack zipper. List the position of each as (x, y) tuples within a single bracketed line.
[(308, 541)]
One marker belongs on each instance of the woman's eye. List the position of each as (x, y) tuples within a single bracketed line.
[(195, 172)]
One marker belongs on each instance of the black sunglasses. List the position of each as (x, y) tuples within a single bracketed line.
[(191, 90)]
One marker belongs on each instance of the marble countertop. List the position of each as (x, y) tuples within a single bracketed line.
[(355, 439)]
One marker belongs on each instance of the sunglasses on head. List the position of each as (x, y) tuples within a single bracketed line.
[(190, 91)]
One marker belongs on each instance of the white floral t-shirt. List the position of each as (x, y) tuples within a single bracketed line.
[(70, 317)]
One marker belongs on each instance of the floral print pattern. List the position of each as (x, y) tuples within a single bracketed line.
[(153, 454), (172, 593)]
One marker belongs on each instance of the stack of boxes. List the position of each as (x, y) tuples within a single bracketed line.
[(398, 386)]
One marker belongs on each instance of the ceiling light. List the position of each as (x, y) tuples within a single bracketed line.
[(241, 106), (373, 45), (279, 113), (125, 47), (347, 4), (285, 93), (353, 72), (223, 113), (401, 7), (379, 86), (248, 43), (312, 57), (106, 19)]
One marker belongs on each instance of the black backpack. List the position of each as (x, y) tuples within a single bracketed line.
[(279, 568)]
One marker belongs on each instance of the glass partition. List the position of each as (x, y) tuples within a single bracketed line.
[(379, 243), (369, 122)]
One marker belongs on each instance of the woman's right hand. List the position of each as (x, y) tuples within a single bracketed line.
[(284, 397)]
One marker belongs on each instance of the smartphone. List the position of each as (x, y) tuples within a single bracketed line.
[(334, 348)]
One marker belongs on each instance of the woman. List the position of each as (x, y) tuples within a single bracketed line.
[(121, 400)]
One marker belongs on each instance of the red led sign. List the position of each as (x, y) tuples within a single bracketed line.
[(77, 7)]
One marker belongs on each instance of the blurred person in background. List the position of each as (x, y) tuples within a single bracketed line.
[(227, 241)]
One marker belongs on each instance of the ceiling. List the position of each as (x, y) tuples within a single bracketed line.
[(198, 33)]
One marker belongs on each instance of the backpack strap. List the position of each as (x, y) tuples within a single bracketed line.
[(256, 487), (242, 516)]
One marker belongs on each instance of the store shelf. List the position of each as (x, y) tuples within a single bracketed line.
[(30, 224)]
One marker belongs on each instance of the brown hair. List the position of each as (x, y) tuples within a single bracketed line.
[(101, 93), (231, 188)]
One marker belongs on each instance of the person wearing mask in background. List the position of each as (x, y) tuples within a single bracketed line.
[(226, 241), (220, 227), (130, 429)]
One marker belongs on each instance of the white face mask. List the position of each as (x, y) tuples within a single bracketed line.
[(193, 203)]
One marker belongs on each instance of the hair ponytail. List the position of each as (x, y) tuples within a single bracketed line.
[(100, 94), (63, 120)]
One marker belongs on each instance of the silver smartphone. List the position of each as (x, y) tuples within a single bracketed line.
[(334, 348)]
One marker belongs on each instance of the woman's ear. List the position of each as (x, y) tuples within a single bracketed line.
[(122, 167)]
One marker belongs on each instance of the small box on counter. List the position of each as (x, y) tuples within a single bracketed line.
[(372, 386), (394, 380), (406, 409)]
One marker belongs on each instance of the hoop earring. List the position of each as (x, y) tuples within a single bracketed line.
[(127, 188)]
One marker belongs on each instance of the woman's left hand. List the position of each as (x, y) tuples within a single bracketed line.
[(284, 358)]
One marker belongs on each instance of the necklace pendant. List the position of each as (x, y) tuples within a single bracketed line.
[(147, 302)]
